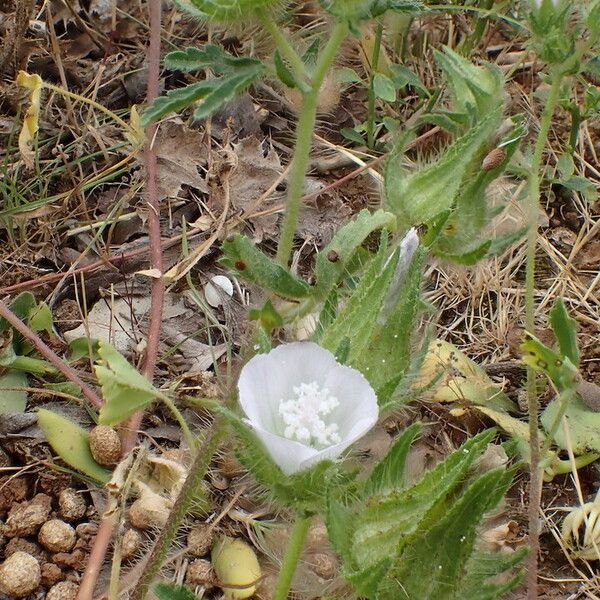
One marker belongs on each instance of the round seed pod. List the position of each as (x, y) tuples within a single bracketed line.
[(19, 575), (71, 505), (150, 510), (130, 543), (105, 445), (65, 590), (200, 572), (324, 565), (200, 540), (235, 564), (57, 536)]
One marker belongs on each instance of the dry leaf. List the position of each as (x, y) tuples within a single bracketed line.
[(32, 116)]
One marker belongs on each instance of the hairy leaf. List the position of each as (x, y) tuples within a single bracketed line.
[(71, 443), (388, 475), (388, 517), (246, 261), (211, 57), (124, 389), (419, 197), (342, 247), (226, 11), (172, 591)]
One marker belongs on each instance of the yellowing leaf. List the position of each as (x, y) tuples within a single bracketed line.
[(136, 137), (31, 121)]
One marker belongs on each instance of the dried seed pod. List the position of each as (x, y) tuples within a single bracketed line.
[(19, 575), (493, 159), (27, 517), (105, 445), (71, 504), (200, 539), (235, 564), (149, 510), (65, 590), (131, 542), (57, 536), (200, 572), (324, 565)]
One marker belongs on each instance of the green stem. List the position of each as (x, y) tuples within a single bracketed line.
[(181, 508), (304, 133), (371, 100), (283, 45), (290, 561), (189, 436), (532, 399)]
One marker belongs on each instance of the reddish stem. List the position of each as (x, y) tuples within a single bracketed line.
[(50, 355), (94, 564)]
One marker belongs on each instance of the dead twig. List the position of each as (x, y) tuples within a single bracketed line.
[(49, 354)]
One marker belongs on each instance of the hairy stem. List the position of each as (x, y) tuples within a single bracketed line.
[(532, 399), (371, 100), (290, 560), (182, 507), (284, 47), (304, 133), (49, 354)]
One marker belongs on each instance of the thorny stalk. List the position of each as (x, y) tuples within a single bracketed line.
[(104, 535), (535, 485), (49, 354)]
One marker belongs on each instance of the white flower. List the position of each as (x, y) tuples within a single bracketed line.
[(304, 406)]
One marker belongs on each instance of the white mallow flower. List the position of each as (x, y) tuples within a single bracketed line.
[(304, 406)]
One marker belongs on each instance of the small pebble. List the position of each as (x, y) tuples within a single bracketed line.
[(65, 590), (27, 517), (71, 505), (200, 572), (57, 536), (200, 540), (20, 575)]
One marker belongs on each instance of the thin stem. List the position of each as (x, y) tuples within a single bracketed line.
[(109, 113), (304, 133), (189, 436), (283, 45), (49, 354), (535, 486), (290, 560), (180, 509), (371, 100)]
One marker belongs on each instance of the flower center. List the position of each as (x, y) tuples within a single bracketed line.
[(303, 416)]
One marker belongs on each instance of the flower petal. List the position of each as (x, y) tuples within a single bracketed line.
[(289, 455), (267, 379)]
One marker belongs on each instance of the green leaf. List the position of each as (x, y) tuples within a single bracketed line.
[(559, 369), (345, 242), (432, 563), (388, 517), (388, 475), (124, 389), (71, 443), (468, 258), (267, 315), (565, 331), (366, 582), (352, 135), (339, 520), (211, 57), (225, 89), (40, 318), (356, 320), (419, 197), (284, 74), (176, 100), (355, 11), (83, 346), (172, 591), (384, 88), (403, 76), (386, 355), (347, 75), (476, 90), (13, 401), (227, 11), (246, 261), (583, 423)]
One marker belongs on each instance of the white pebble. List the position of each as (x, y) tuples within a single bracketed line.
[(215, 288)]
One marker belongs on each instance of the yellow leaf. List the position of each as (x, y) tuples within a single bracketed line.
[(136, 137), (31, 120)]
